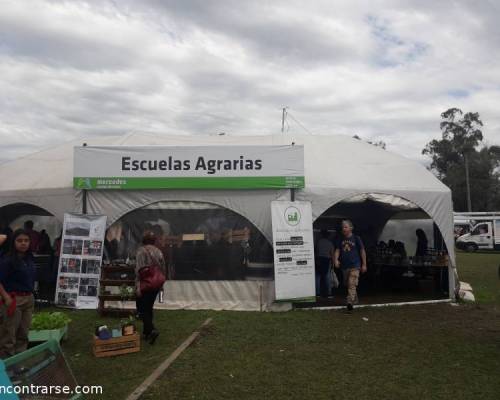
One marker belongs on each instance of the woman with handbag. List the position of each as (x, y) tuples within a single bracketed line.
[(149, 276)]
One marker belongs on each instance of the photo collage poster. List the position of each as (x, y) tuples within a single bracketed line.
[(80, 261)]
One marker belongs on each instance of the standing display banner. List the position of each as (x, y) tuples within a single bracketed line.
[(293, 249), (80, 261), (188, 167)]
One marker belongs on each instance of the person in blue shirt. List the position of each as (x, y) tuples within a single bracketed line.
[(350, 255), (17, 280)]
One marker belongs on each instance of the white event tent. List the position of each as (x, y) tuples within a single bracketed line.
[(337, 169)]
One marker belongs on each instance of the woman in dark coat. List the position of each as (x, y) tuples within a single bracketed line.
[(17, 280)]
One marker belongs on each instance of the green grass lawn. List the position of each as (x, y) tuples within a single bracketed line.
[(422, 352), (120, 375), (411, 352), (481, 271)]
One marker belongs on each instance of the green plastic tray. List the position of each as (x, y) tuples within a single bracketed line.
[(53, 349), (46, 335)]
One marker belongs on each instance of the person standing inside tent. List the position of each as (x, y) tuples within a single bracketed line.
[(350, 256), (34, 236), (422, 243), (324, 251), (17, 280)]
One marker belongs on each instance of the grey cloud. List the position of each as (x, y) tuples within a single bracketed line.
[(203, 67), (61, 49), (269, 30)]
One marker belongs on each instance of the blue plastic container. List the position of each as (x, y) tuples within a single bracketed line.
[(5, 383)]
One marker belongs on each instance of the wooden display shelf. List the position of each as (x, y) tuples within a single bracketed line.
[(118, 268), (117, 282), (117, 346), (116, 312), (116, 297), (113, 281)]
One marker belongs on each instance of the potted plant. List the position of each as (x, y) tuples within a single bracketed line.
[(49, 325), (126, 292), (128, 326)]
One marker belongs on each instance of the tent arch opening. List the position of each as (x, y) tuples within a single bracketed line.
[(403, 200), (372, 213), (200, 240), (15, 214), (15, 209)]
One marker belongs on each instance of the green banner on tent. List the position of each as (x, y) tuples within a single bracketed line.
[(260, 182)]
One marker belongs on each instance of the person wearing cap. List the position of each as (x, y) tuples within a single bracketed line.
[(17, 281)]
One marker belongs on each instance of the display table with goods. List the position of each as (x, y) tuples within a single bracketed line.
[(116, 340), (49, 325), (117, 283), (434, 264), (195, 256)]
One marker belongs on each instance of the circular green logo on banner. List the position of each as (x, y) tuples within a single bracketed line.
[(292, 216)]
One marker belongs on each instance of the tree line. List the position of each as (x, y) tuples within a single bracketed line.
[(465, 163)]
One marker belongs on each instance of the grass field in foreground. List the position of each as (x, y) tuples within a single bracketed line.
[(120, 375), (481, 270), (411, 352)]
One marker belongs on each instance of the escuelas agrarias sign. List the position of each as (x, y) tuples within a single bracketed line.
[(188, 167)]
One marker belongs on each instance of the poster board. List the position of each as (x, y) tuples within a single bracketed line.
[(80, 261), (293, 248)]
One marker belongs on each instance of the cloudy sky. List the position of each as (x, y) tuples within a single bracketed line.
[(383, 70)]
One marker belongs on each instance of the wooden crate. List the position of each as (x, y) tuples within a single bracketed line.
[(117, 346)]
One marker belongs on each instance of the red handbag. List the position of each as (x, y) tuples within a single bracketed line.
[(151, 277)]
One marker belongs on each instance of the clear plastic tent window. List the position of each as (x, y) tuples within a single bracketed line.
[(199, 241)]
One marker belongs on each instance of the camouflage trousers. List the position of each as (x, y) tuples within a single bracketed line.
[(351, 279)]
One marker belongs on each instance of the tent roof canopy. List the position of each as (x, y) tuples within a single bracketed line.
[(330, 161), (337, 169)]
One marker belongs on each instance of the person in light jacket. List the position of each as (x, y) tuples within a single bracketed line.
[(146, 255)]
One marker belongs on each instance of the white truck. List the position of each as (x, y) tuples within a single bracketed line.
[(484, 233)]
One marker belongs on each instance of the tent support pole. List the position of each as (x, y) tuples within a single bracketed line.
[(84, 195), (292, 190), (84, 201)]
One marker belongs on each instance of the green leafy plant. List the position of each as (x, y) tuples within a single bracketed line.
[(128, 326), (49, 320), (127, 322), (126, 291)]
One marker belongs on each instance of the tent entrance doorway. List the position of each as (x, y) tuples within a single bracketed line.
[(403, 265), (44, 232)]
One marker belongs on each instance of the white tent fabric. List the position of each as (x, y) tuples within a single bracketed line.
[(337, 168)]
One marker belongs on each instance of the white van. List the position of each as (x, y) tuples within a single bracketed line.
[(484, 235), (461, 227)]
